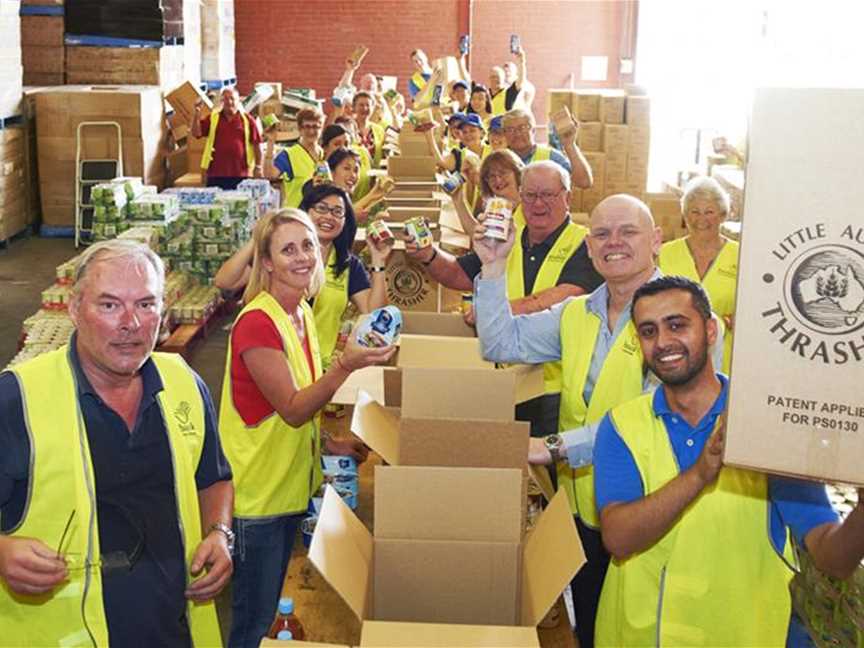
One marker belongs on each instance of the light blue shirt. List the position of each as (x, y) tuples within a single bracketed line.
[(536, 338)]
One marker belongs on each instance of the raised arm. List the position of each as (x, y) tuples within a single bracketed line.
[(837, 549)]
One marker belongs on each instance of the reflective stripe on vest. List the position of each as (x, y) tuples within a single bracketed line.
[(303, 168), (542, 152), (329, 305), (564, 248), (620, 380), (62, 480), (276, 467), (719, 282), (714, 579), (207, 157)]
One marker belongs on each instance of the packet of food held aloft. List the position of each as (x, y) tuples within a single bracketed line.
[(380, 328)]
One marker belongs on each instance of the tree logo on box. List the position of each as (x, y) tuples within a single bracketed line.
[(825, 289), (817, 310), (407, 285)]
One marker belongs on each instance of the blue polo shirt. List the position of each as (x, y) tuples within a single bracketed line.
[(135, 501), (797, 504)]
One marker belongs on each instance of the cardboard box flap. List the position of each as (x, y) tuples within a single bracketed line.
[(396, 634), (367, 379), (529, 382), (447, 324), (552, 556), (455, 239), (376, 426), (437, 351), (479, 504), (472, 394), (342, 551)]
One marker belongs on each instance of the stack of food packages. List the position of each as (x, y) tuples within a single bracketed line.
[(111, 205), (832, 610), (159, 212)]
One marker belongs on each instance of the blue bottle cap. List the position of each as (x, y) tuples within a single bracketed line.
[(284, 635), (286, 605)]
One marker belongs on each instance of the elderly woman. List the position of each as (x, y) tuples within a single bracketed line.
[(500, 177), (705, 255), (269, 421)]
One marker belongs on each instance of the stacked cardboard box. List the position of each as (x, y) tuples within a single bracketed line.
[(42, 50), (192, 41), (31, 171), (160, 66), (143, 20), (217, 40), (138, 110), (14, 216), (614, 137), (11, 72)]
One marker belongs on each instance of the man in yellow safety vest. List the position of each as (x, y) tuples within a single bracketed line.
[(115, 496)]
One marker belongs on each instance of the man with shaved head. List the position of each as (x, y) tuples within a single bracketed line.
[(594, 339)]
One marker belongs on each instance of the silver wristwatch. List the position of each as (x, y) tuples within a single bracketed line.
[(555, 446), (227, 532)]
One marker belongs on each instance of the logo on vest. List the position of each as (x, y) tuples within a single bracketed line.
[(631, 345), (818, 294), (561, 255), (181, 415), (407, 285)]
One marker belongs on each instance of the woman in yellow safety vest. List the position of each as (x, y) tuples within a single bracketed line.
[(346, 166), (341, 135), (272, 396), (345, 277), (705, 255), (480, 103), (296, 164), (500, 177)]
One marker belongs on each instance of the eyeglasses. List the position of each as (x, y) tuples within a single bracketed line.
[(336, 211), (522, 128), (546, 196)]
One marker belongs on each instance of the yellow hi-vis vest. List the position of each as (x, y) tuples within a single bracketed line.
[(620, 379), (329, 305), (499, 103), (207, 158), (62, 480), (714, 579), (542, 152), (564, 248), (303, 167), (378, 140), (276, 467), (719, 282), (364, 182)]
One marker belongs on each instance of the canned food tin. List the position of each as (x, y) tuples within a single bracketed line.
[(322, 173), (379, 232), (452, 181), (467, 303), (498, 216), (269, 121), (418, 229)]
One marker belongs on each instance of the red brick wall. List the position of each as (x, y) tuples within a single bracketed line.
[(305, 43)]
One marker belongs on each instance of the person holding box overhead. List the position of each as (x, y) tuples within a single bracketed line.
[(296, 164), (233, 147), (422, 73), (700, 549), (269, 421), (705, 255)]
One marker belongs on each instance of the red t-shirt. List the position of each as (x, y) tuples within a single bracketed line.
[(254, 330), (229, 146)]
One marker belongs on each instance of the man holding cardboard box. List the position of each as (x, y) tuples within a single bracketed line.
[(233, 147), (695, 562), (519, 128)]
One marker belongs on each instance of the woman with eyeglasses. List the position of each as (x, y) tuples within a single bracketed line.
[(296, 164), (705, 255), (500, 177), (274, 389), (346, 279)]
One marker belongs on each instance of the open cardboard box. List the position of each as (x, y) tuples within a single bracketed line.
[(402, 214), (447, 548), (403, 167)]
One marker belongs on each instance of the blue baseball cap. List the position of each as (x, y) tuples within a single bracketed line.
[(472, 119), (497, 124), (460, 84), (456, 119)]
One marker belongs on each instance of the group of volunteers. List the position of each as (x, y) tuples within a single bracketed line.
[(129, 507)]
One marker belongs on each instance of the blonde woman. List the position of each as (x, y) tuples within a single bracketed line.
[(272, 395)]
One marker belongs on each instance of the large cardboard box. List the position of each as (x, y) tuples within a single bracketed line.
[(217, 40), (795, 403), (439, 555), (638, 111), (403, 167), (666, 210), (408, 285), (586, 105), (393, 634), (616, 138), (182, 100), (161, 66), (556, 99), (590, 137), (38, 59), (612, 103), (44, 31)]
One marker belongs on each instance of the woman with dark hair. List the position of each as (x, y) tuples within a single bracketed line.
[(346, 279), (481, 103), (341, 135), (347, 169)]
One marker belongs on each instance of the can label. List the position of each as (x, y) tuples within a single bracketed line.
[(418, 229), (269, 120), (379, 232), (467, 303), (452, 181), (497, 218), (322, 172)]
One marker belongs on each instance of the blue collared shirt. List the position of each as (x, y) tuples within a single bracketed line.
[(795, 503)]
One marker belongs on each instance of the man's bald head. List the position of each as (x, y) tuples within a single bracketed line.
[(623, 240)]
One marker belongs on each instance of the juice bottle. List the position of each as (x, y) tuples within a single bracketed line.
[(286, 620)]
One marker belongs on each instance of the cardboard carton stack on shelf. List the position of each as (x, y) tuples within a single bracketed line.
[(614, 136), (42, 49), (159, 66), (217, 40), (11, 71), (138, 110), (14, 216)]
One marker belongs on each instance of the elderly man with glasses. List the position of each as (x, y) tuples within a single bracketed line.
[(549, 264), (519, 129)]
